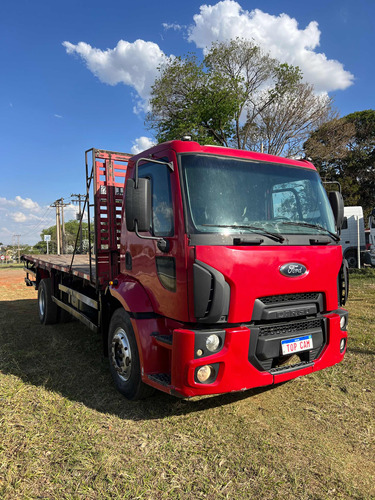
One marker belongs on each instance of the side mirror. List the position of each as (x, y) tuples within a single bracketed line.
[(337, 203), (138, 205)]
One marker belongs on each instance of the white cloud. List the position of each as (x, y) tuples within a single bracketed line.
[(27, 218), (141, 144), (280, 35), (133, 64), (24, 203), (27, 203), (173, 26), (18, 217), (136, 64), (57, 116)]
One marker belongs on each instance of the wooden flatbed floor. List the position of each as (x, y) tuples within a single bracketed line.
[(80, 266)]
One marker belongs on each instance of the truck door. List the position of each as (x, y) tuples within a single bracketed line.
[(161, 273)]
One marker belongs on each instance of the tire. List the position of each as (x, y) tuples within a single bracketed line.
[(352, 260), (47, 309), (124, 358)]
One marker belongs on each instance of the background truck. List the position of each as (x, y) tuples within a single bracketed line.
[(354, 238), (213, 270), (370, 237)]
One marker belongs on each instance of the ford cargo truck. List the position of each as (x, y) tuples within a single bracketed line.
[(212, 270)]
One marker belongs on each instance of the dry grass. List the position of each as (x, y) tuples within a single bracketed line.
[(66, 433)]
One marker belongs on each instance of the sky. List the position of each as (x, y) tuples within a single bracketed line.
[(77, 74)]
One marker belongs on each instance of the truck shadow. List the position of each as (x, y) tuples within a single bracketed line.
[(67, 359), (361, 351)]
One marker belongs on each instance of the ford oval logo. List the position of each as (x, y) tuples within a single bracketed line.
[(293, 270)]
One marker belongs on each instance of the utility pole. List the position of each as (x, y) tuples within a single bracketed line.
[(63, 238), (60, 232), (79, 198), (57, 206), (18, 244)]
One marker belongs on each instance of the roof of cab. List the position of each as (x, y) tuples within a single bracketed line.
[(180, 146)]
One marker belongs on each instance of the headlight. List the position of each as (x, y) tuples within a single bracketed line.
[(208, 343), (212, 342)]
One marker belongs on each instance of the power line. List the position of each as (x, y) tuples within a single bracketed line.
[(48, 219), (38, 224)]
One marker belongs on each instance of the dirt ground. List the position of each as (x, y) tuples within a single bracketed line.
[(12, 285)]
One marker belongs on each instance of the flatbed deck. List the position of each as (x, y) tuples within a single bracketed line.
[(80, 266)]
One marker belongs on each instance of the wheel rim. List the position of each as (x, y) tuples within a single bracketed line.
[(121, 354), (42, 303)]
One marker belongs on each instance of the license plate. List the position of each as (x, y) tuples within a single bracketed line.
[(290, 346)]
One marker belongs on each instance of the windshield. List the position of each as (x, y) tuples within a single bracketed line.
[(229, 195)]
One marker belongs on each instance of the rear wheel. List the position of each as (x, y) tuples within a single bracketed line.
[(47, 309), (124, 358)]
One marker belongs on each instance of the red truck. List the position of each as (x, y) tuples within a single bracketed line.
[(212, 270)]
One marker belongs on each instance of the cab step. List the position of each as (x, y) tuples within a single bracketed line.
[(161, 378), (163, 340)]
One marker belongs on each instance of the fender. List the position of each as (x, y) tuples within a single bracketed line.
[(131, 294), (134, 299)]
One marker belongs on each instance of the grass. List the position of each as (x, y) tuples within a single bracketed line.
[(66, 433), (12, 265)]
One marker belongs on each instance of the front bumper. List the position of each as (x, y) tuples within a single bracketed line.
[(237, 370)]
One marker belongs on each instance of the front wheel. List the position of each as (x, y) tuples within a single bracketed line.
[(124, 358)]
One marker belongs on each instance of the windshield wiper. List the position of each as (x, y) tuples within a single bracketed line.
[(314, 226), (274, 236)]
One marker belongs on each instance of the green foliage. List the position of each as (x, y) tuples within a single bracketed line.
[(183, 100), (71, 230), (344, 151), (231, 98), (39, 248)]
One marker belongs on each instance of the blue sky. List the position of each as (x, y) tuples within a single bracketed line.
[(68, 83)]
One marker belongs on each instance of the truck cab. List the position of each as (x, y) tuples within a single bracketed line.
[(231, 273)]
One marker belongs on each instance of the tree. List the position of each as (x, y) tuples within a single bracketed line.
[(238, 96), (285, 124), (344, 150), (41, 248), (244, 69), (185, 99), (71, 230)]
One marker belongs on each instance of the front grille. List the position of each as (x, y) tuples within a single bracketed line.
[(290, 298), (290, 328), (265, 351)]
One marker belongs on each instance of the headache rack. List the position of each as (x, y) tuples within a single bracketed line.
[(105, 179)]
